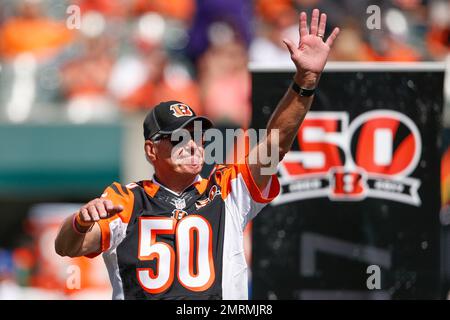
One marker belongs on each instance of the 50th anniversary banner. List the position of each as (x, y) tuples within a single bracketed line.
[(360, 187)]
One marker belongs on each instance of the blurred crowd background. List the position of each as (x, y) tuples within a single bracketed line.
[(130, 54), (118, 58)]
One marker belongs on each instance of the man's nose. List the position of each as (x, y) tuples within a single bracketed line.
[(192, 146), (194, 142)]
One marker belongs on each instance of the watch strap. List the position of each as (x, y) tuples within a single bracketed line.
[(302, 91)]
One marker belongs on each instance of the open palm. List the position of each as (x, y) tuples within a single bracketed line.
[(311, 54)]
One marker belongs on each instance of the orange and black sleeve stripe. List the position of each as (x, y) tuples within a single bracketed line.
[(119, 195), (225, 174)]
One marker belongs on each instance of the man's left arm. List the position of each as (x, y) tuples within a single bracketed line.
[(309, 57)]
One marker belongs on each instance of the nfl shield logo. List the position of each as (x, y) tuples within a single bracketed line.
[(179, 203)]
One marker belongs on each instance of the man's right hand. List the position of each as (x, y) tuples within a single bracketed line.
[(98, 209)]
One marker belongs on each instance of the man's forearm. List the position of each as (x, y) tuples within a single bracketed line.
[(83, 235), (71, 243), (286, 120), (68, 242), (290, 113), (309, 57)]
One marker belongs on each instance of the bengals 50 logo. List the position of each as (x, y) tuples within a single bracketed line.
[(371, 157)]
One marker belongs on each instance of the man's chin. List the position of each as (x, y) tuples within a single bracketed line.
[(192, 168)]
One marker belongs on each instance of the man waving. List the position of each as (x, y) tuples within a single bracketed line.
[(179, 236)]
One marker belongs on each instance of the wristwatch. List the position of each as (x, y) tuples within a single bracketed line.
[(302, 92)]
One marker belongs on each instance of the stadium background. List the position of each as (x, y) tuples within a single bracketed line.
[(72, 101)]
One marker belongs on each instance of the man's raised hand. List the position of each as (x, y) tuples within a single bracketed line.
[(311, 53)]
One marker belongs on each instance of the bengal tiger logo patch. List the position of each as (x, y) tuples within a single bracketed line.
[(178, 214), (213, 192), (181, 110)]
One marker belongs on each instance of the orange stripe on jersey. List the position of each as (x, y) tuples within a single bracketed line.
[(225, 174), (106, 234), (121, 190), (255, 193), (201, 185), (118, 196), (150, 188), (126, 199)]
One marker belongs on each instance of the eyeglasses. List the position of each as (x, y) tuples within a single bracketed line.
[(176, 140)]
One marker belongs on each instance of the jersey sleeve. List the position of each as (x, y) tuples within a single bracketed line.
[(113, 229), (241, 193)]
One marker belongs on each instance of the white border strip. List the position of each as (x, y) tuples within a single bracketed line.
[(357, 66)]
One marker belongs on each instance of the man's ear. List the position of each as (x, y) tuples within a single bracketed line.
[(150, 150)]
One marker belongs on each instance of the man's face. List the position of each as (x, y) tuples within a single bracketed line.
[(185, 155)]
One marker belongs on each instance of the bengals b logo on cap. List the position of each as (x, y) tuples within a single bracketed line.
[(181, 110)]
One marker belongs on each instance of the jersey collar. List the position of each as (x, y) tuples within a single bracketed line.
[(199, 183)]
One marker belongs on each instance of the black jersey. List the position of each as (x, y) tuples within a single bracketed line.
[(187, 246)]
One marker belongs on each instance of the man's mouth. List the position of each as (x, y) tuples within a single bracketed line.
[(190, 160)]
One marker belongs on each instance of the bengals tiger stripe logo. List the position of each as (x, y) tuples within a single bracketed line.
[(181, 110), (213, 192)]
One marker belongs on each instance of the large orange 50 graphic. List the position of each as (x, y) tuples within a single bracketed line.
[(371, 157)]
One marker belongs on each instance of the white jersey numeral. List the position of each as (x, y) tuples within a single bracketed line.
[(204, 275), (198, 277)]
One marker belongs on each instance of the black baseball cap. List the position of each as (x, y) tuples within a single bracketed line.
[(169, 116)]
